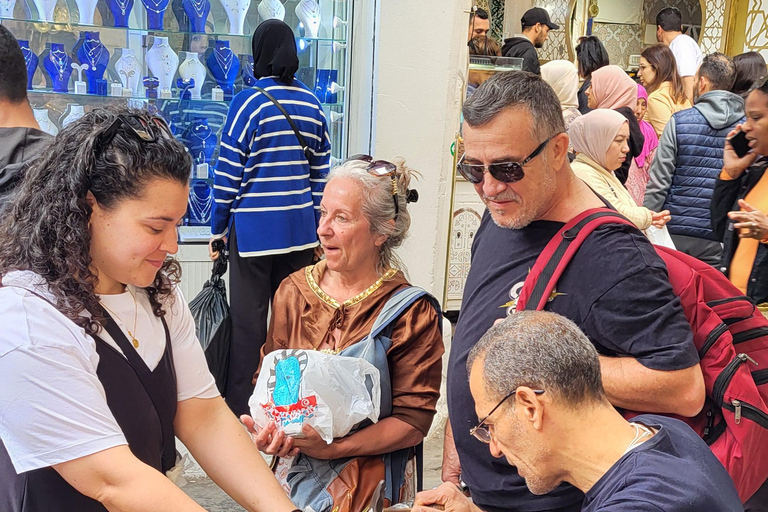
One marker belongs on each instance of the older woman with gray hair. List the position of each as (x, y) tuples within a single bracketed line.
[(358, 293)]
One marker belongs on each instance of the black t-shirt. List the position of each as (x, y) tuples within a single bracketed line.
[(616, 289), (674, 471)]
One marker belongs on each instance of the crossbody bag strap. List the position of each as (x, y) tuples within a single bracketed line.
[(145, 377), (302, 141), (401, 300)]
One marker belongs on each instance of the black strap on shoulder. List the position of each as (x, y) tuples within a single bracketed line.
[(299, 136), (145, 376)]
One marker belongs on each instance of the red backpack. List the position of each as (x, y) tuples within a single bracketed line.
[(730, 334)]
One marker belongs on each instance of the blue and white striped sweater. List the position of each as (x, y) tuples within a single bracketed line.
[(263, 182)]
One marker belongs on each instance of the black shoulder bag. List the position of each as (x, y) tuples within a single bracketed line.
[(302, 142)]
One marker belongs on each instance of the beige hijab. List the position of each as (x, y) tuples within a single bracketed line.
[(593, 133), (563, 77)]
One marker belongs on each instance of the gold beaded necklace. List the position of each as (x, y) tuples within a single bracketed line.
[(135, 318)]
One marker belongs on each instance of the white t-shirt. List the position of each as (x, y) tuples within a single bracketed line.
[(687, 55), (53, 408)]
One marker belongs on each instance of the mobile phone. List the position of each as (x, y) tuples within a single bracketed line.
[(740, 144)]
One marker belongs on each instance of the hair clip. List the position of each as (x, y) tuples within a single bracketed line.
[(411, 196)]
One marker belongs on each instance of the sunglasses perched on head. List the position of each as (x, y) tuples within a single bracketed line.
[(142, 127), (506, 172), (381, 169)]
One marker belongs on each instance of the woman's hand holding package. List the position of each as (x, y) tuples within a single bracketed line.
[(660, 219), (270, 440), (314, 446)]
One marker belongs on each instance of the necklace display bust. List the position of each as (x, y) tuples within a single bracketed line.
[(155, 12), (6, 8), (121, 10), (57, 64), (87, 9), (224, 67), (308, 12), (72, 114), (193, 68), (93, 53), (44, 120), (197, 12), (30, 61), (202, 141), (45, 9), (271, 10), (163, 62), (129, 70), (236, 11)]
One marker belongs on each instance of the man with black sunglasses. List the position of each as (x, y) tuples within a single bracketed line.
[(536, 383), (616, 287)]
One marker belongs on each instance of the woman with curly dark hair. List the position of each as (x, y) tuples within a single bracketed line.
[(100, 364)]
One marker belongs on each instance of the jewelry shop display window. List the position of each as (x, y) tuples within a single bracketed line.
[(182, 59)]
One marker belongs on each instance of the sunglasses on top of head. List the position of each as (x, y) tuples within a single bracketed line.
[(141, 127), (381, 169), (506, 172)]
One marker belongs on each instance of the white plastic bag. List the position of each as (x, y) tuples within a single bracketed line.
[(660, 236), (330, 393)]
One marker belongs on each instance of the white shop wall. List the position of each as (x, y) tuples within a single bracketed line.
[(415, 93)]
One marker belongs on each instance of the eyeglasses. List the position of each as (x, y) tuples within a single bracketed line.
[(381, 169), (144, 128), (483, 433), (506, 172)]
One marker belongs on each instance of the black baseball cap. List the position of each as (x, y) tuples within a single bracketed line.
[(537, 15)]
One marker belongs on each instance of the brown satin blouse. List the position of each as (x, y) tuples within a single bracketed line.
[(304, 317)]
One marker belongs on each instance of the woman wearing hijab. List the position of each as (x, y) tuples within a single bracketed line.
[(601, 141), (267, 195), (613, 89), (563, 77), (639, 175)]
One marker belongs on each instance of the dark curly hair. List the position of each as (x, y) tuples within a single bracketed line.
[(45, 227)]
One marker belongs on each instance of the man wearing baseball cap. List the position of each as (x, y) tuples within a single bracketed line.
[(536, 27)]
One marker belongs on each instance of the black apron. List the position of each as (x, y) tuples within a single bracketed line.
[(144, 405)]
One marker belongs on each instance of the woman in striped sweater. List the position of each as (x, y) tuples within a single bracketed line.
[(267, 192)]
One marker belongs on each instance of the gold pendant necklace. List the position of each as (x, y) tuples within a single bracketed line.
[(134, 341)]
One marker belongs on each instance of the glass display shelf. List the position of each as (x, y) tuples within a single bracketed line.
[(494, 64), (84, 97), (69, 26)]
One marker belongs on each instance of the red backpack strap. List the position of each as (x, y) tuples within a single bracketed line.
[(558, 253)]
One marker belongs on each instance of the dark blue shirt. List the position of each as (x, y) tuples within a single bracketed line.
[(616, 289), (674, 471)]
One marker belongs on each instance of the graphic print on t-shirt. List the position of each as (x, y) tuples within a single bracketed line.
[(514, 295)]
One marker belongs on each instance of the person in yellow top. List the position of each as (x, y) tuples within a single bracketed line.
[(666, 94), (740, 200), (600, 141)]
